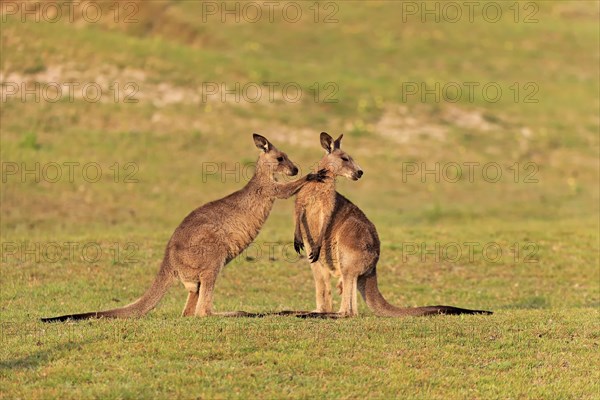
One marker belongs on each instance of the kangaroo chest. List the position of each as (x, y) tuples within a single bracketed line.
[(315, 218), (315, 207), (241, 231)]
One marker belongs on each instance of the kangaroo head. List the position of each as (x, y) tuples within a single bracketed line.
[(272, 159), (338, 161)]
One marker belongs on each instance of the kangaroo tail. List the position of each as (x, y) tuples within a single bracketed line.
[(367, 285), (138, 308)]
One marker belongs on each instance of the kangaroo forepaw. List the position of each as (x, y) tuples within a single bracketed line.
[(320, 176), (314, 255), (298, 245)]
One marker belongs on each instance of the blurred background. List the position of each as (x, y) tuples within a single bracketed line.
[(130, 114), (476, 124)]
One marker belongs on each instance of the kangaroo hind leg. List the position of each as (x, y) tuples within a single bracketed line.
[(192, 299), (322, 278), (205, 295), (349, 306)]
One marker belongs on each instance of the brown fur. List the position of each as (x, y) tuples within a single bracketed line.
[(340, 240), (213, 235)]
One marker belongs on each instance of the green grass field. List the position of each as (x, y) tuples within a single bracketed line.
[(524, 244)]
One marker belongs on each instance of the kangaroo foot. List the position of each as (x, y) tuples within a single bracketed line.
[(238, 314), (330, 315)]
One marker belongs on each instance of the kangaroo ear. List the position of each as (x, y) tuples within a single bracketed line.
[(338, 142), (327, 142), (261, 142)]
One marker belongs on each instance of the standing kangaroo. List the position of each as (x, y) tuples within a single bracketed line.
[(213, 235), (341, 240)]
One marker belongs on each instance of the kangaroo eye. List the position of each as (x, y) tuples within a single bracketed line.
[(345, 159), (280, 159)]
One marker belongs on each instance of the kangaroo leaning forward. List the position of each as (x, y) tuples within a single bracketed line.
[(341, 240), (212, 235)]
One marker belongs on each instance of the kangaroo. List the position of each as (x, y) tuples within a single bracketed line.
[(341, 240), (213, 235)]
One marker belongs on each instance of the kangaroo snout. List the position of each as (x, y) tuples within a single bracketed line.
[(357, 175), (294, 171)]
